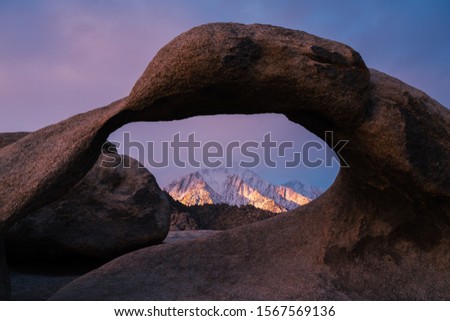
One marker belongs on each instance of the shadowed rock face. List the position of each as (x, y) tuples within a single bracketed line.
[(5, 286), (380, 232), (116, 208)]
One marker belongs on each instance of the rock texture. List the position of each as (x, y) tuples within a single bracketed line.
[(117, 207), (380, 232), (9, 138), (183, 236), (33, 282)]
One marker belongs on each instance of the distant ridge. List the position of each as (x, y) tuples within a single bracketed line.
[(239, 187)]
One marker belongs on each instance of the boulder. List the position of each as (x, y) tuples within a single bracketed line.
[(380, 232), (117, 207)]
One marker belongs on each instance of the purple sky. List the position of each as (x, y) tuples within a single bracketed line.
[(60, 58)]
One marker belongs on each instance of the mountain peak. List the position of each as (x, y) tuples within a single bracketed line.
[(238, 186)]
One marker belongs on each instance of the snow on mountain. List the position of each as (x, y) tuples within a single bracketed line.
[(236, 186), (304, 188)]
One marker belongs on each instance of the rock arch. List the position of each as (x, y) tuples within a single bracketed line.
[(375, 234)]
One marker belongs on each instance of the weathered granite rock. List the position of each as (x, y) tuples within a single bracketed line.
[(116, 208), (380, 232), (44, 165)]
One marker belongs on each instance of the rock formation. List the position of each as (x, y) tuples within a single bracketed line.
[(380, 232), (117, 207)]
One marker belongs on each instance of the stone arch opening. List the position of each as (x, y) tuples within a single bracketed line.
[(277, 150)]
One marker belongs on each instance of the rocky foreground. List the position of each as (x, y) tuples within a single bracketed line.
[(116, 208), (380, 232), (39, 281)]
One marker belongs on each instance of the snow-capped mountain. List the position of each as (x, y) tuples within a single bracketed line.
[(304, 188), (235, 187)]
